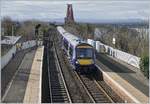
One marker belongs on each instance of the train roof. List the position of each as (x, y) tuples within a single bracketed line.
[(72, 39)]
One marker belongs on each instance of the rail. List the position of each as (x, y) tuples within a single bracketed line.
[(96, 93), (63, 79), (58, 89)]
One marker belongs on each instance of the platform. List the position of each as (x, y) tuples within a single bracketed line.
[(9, 70), (25, 86), (124, 79)]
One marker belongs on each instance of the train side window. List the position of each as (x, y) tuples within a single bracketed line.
[(70, 51), (66, 45)]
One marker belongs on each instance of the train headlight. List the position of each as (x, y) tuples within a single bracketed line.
[(77, 62), (92, 62)]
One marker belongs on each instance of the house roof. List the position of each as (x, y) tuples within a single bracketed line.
[(9, 40)]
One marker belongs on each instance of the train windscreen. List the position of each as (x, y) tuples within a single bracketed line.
[(84, 53)]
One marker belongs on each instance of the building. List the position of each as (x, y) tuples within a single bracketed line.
[(7, 42)]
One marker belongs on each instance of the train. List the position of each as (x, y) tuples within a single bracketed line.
[(81, 55)]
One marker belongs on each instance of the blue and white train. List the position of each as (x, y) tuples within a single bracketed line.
[(80, 53)]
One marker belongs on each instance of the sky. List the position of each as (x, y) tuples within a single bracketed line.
[(84, 10)]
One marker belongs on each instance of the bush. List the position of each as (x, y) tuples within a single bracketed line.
[(144, 65)]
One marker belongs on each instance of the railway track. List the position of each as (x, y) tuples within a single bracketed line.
[(76, 94), (57, 85), (93, 89)]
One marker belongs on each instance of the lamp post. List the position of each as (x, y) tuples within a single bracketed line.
[(114, 42), (12, 33), (2, 29)]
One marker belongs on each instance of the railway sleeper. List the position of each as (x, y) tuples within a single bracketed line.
[(102, 101), (59, 90), (57, 83), (57, 86), (59, 101), (58, 98), (59, 94), (55, 80)]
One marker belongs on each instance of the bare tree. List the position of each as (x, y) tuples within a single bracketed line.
[(7, 24)]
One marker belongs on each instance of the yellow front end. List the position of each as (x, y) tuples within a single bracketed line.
[(85, 62)]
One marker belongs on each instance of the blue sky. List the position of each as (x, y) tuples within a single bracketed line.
[(84, 10)]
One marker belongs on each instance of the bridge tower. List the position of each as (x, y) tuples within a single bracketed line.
[(69, 16)]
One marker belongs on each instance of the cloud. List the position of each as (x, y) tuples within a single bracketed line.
[(54, 10)]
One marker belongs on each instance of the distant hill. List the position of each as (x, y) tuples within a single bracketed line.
[(124, 22), (119, 22)]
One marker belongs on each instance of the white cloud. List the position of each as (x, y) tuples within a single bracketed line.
[(54, 10)]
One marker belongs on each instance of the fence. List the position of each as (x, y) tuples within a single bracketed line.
[(130, 59), (28, 44), (126, 57), (8, 56)]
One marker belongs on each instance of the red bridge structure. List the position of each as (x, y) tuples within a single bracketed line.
[(69, 16)]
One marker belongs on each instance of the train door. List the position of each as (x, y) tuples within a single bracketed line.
[(70, 52), (66, 46)]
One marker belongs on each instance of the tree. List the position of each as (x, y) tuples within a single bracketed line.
[(7, 24)]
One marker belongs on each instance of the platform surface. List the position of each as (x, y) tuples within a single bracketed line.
[(128, 78), (25, 86), (8, 71)]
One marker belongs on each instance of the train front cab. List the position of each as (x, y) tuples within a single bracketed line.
[(85, 58)]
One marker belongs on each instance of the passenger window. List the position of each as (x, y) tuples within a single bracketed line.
[(70, 51), (66, 45)]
